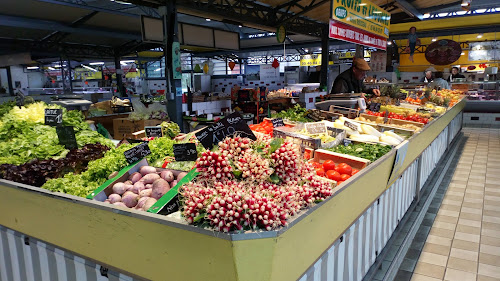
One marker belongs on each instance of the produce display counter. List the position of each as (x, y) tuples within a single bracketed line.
[(338, 238)]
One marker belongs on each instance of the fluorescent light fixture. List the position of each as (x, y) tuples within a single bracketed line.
[(51, 68), (319, 49), (480, 11), (208, 19), (89, 68), (307, 50), (462, 54), (158, 69), (32, 67), (434, 39), (127, 61), (121, 2), (240, 25), (377, 12), (460, 13), (480, 35), (97, 63), (362, 4), (442, 15), (426, 16), (464, 4)]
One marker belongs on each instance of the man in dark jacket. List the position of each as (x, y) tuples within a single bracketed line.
[(351, 80)]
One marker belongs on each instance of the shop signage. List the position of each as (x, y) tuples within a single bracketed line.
[(281, 34), (355, 35), (316, 128), (232, 125), (363, 15), (53, 117), (185, 152), (66, 135), (153, 131), (278, 122), (350, 125), (136, 153), (269, 73)]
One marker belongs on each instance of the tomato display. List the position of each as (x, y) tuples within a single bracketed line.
[(320, 172), (343, 168), (414, 117), (344, 177), (338, 172), (333, 175), (265, 127), (329, 165)]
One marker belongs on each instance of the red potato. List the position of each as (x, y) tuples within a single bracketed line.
[(138, 187), (135, 177), (120, 204), (141, 202), (129, 187), (113, 198), (145, 193), (119, 188), (173, 184), (130, 199), (160, 187), (149, 186), (150, 202), (128, 182), (144, 170), (181, 175), (150, 178), (167, 175), (107, 201)]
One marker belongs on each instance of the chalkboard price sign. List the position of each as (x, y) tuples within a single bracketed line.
[(374, 107), (350, 125), (185, 152), (153, 131), (66, 135), (53, 117), (232, 125), (278, 122), (136, 153), (316, 128), (347, 142)]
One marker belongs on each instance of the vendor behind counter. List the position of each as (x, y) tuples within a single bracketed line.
[(351, 80)]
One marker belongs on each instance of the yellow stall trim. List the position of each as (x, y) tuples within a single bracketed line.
[(447, 23)]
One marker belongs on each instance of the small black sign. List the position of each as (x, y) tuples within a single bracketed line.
[(374, 107), (278, 122), (316, 128), (335, 117), (232, 125), (350, 125), (347, 142), (153, 131), (398, 102), (66, 135), (136, 153), (53, 117), (386, 117), (185, 152)]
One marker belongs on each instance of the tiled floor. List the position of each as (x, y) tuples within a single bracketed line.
[(463, 241)]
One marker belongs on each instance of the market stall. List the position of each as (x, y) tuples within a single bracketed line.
[(62, 236)]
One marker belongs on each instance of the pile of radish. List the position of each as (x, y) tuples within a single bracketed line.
[(251, 185), (143, 188)]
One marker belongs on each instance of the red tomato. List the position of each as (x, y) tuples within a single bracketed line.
[(340, 182), (344, 177), (315, 164), (329, 165), (343, 168), (320, 172), (333, 175), (354, 171)]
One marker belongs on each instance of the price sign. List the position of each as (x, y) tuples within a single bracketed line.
[(53, 117), (278, 122), (335, 117), (316, 128), (350, 125), (228, 127), (347, 142), (153, 132), (136, 153), (185, 152), (66, 135), (374, 107), (398, 102), (386, 117)]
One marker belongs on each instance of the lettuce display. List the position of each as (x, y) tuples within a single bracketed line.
[(24, 137), (296, 114), (368, 151)]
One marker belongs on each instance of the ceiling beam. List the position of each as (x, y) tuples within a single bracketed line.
[(78, 4), (440, 7), (57, 36), (409, 9), (15, 21)]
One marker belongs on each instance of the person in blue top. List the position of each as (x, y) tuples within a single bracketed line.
[(439, 83), (413, 41)]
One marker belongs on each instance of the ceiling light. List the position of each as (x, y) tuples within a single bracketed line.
[(389, 43), (32, 67), (208, 19), (51, 68), (434, 39), (89, 68), (480, 35), (240, 25), (461, 13), (377, 12), (97, 63), (362, 4), (464, 4), (462, 54), (426, 16), (158, 69)]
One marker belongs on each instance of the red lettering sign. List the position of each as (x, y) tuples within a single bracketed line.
[(347, 33)]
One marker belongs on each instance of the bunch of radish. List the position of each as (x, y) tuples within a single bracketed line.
[(244, 185), (143, 188)]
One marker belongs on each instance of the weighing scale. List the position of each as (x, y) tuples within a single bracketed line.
[(345, 100)]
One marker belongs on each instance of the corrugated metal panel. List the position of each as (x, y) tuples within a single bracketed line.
[(27, 259)]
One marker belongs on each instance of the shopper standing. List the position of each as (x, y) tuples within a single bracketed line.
[(455, 73), (428, 76), (439, 83), (351, 80)]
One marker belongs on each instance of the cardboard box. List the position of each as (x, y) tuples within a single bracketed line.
[(125, 128)]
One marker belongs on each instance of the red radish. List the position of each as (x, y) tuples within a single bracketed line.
[(144, 170), (119, 188), (114, 198)]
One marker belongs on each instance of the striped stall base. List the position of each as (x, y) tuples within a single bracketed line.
[(350, 257), (24, 258)]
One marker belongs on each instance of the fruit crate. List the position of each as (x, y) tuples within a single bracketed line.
[(169, 199), (306, 141), (321, 156)]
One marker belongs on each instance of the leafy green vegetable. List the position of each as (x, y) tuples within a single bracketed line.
[(371, 152), (181, 165), (296, 113), (170, 129), (6, 107)]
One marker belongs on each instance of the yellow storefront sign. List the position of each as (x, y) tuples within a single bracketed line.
[(362, 14), (315, 59)]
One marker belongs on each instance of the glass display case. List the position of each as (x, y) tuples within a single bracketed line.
[(480, 90)]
